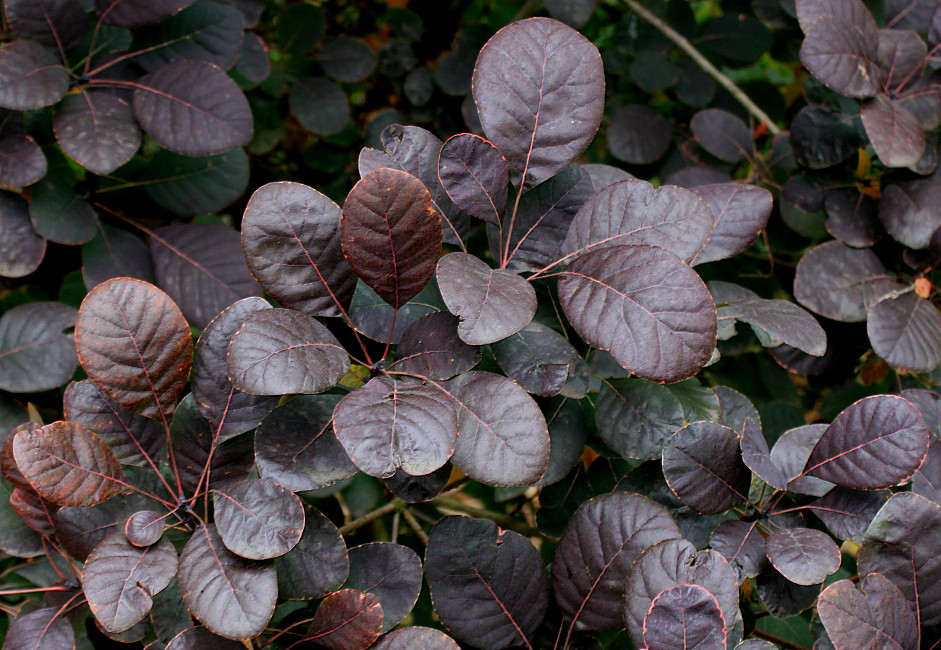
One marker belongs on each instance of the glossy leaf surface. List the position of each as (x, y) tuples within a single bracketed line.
[(905, 330), (257, 518), (392, 573), (474, 174), (875, 616), (431, 347), (803, 555)]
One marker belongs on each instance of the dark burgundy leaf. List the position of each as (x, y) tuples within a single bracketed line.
[(689, 177), (491, 303), (908, 211), (877, 616), (52, 23), (30, 76), (474, 174), (200, 638), (319, 105), (35, 352), (539, 90), (346, 620), (741, 213), (169, 614), (895, 546), (905, 330), (132, 13), (191, 186), (254, 62), (603, 175), (488, 585), (757, 456), (901, 56), (790, 453), (809, 12), (703, 466), (8, 466), (430, 347), (231, 596), (386, 425), (416, 637), (743, 545), (822, 138), (33, 510), (297, 447), (392, 573), (206, 31), (372, 316), (228, 410), (81, 529), (723, 134), (22, 162), (852, 218), (593, 557), (21, 249), (193, 108), (844, 59), (802, 555), (97, 130), (543, 362), (115, 253), (839, 282), (633, 212), (634, 417), (257, 518), (135, 345), (876, 442), (895, 132), (201, 267), (120, 580), (318, 564), (59, 213), (68, 464), (928, 403), (544, 217), (290, 235), (621, 298), (503, 439), (347, 59), (16, 538), (927, 480), (637, 134), (847, 512), (42, 629), (684, 616), (390, 234), (783, 598), (672, 562), (278, 351), (781, 320), (144, 528), (418, 489), (132, 437), (192, 442), (735, 409)]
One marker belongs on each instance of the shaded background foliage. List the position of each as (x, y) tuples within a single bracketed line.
[(784, 462)]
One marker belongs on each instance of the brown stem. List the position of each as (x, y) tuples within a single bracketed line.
[(500, 518), (371, 516), (414, 525)]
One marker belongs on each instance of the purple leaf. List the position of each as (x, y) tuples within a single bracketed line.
[(742, 544), (539, 90), (199, 638), (144, 528), (735, 409), (193, 108), (723, 134), (231, 596), (319, 105), (790, 453), (741, 213), (908, 211), (634, 417), (430, 347), (927, 480), (21, 249), (390, 572), (821, 137), (387, 424), (317, 565), (257, 518), (201, 267), (97, 130), (757, 456), (51, 23), (703, 466), (633, 212), (684, 616), (596, 551), (853, 218), (35, 353), (390, 234), (901, 57), (291, 239), (278, 351), (844, 57), (41, 628), (847, 513), (115, 253), (894, 131), (22, 162), (877, 616), (802, 555), (905, 330), (345, 620), (638, 135), (416, 637), (542, 361), (203, 32), (488, 585), (491, 303), (623, 298), (30, 76), (474, 174)]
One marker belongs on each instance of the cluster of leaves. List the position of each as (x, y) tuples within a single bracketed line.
[(487, 325)]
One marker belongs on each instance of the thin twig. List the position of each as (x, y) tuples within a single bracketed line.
[(371, 516), (500, 518), (703, 63), (414, 525)]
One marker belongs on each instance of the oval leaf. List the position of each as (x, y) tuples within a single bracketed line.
[(97, 130), (416, 637), (258, 519), (318, 564), (144, 528), (488, 585), (430, 347), (844, 59), (876, 616), (30, 76), (491, 303), (539, 90), (639, 135), (68, 464), (346, 619), (392, 573), (742, 544), (278, 351), (231, 596), (135, 345), (685, 616), (703, 466), (21, 249), (41, 628), (634, 417), (35, 353), (894, 131), (740, 211), (644, 305), (723, 134), (474, 174), (905, 330), (390, 234), (803, 555)]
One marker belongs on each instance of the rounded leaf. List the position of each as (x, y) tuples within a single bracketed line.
[(133, 13), (894, 131), (803, 555), (703, 466), (723, 134), (279, 351), (35, 353), (543, 362), (488, 585), (144, 528), (905, 330), (741, 213), (21, 249), (22, 162), (97, 130), (742, 544), (257, 518), (40, 628), (189, 186), (431, 347), (474, 174), (31, 76), (319, 105), (135, 345), (639, 135), (876, 616), (346, 619), (685, 616), (199, 638), (193, 108), (392, 573), (416, 637), (634, 417), (844, 59), (908, 212), (317, 565), (539, 90)]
